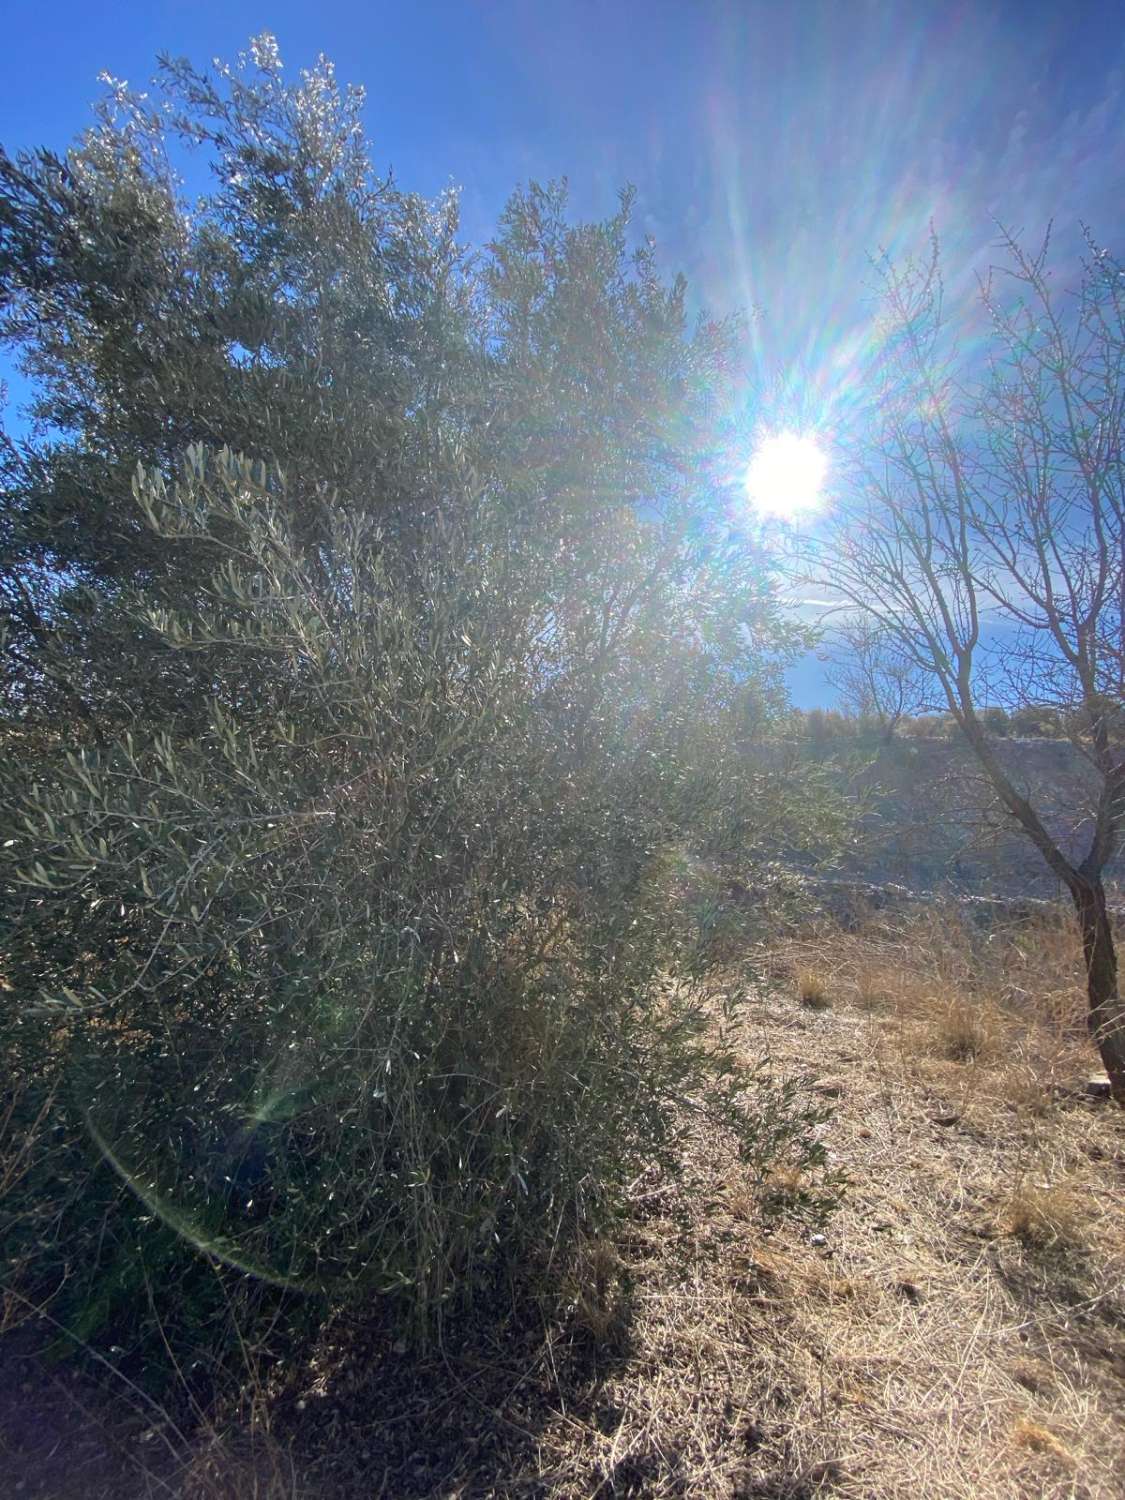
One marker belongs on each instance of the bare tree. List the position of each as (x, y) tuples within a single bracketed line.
[(984, 531), (872, 673)]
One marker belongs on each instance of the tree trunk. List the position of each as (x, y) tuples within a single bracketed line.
[(1107, 1015)]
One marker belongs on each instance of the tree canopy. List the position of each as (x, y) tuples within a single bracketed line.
[(374, 626), (310, 313)]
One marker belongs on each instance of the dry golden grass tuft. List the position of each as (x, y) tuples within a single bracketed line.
[(1046, 1216), (871, 987), (245, 1468), (813, 989), (599, 1292), (961, 1031), (1027, 1434)]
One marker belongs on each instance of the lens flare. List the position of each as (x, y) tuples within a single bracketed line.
[(785, 476)]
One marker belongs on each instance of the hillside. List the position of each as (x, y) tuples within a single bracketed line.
[(929, 821)]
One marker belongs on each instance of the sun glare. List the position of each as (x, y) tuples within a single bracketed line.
[(785, 476)]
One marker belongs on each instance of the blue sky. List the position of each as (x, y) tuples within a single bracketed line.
[(774, 146)]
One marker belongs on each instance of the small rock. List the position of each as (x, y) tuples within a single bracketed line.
[(1097, 1087), (816, 1240)]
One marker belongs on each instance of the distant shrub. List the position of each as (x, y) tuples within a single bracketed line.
[(1033, 722), (930, 726), (996, 721)]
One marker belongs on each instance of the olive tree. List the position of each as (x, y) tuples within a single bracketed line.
[(982, 529), (374, 631)]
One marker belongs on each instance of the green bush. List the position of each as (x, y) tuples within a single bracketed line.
[(366, 992), (342, 774)]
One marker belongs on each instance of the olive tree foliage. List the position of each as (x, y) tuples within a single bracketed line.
[(379, 931), (371, 612), (303, 309), (984, 533), (311, 312)]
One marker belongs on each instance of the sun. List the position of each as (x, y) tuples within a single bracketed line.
[(785, 476)]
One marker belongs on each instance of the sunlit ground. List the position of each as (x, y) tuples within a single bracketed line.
[(786, 475)]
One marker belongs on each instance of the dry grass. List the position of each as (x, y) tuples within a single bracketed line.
[(240, 1469), (982, 1350), (1045, 1215), (1031, 1435), (812, 989), (1007, 1005), (599, 1292), (960, 1031)]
